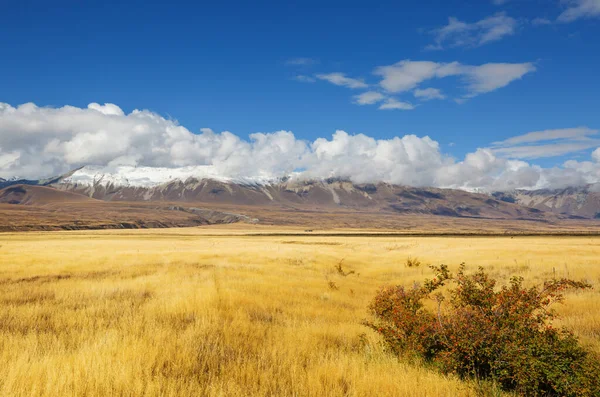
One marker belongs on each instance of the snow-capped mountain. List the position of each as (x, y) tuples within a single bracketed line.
[(200, 184), (204, 185), (128, 176), (577, 202), (11, 179)]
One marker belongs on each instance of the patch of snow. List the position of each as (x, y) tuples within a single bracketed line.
[(154, 176), (12, 179), (336, 198), (266, 192)]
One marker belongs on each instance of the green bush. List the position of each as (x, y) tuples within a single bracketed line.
[(479, 331)]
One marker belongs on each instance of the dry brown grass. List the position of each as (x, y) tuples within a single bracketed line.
[(186, 312)]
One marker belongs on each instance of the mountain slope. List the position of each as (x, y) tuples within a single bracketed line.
[(307, 195), (36, 182), (39, 195), (577, 202), (31, 207), (197, 185)]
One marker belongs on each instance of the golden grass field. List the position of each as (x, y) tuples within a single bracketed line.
[(211, 311)]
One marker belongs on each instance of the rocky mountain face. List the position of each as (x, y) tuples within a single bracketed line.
[(142, 185), (574, 202), (34, 207), (322, 194), (31, 182)]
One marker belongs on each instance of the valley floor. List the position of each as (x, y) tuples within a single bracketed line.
[(98, 215), (217, 312)]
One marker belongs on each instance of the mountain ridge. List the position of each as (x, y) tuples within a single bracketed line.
[(295, 193), (324, 194)]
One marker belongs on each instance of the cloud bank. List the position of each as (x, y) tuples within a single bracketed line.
[(41, 142)]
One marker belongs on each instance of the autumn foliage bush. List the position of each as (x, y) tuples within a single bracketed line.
[(464, 324)]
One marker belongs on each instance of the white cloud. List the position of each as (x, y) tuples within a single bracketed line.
[(549, 150), (368, 98), (578, 9), (108, 109), (7, 159), (49, 141), (301, 61), (428, 94), (409, 160), (548, 135), (462, 34), (547, 143), (41, 142), (406, 75), (394, 104), (491, 76), (342, 80)]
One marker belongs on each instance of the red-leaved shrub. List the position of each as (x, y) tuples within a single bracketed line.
[(474, 329)]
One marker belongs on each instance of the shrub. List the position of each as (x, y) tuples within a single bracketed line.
[(341, 271), (412, 262), (477, 330)]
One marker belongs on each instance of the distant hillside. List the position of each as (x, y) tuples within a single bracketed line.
[(29, 207), (574, 202), (39, 195), (291, 194), (322, 194)]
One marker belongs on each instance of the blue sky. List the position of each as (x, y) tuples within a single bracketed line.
[(263, 66)]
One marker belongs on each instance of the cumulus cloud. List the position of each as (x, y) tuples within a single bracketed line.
[(41, 142), (407, 160), (579, 9), (342, 80), (48, 141), (462, 34), (596, 155)]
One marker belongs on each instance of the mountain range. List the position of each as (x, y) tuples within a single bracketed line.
[(89, 185)]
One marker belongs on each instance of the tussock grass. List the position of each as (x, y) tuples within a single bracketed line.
[(184, 314)]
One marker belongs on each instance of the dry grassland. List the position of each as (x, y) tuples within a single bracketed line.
[(187, 312)]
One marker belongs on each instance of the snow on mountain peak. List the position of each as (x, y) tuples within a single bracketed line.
[(154, 176)]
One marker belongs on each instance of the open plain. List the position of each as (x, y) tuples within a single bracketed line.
[(242, 310)]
